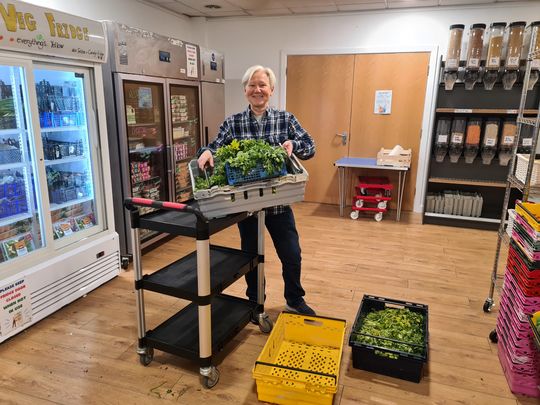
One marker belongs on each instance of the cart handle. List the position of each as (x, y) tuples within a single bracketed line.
[(165, 205)]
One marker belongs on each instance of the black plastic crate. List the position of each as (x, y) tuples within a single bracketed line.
[(377, 359)]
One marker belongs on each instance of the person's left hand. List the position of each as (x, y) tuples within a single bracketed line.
[(288, 146)]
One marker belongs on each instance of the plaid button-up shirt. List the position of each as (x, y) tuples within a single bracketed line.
[(276, 127)]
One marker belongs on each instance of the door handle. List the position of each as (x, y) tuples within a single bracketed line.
[(343, 137)]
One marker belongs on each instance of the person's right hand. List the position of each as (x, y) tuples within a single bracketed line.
[(206, 157)]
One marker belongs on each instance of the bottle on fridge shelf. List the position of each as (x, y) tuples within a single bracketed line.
[(472, 139), (457, 138), (489, 143), (442, 137), (508, 139)]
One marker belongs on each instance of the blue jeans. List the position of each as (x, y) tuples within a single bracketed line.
[(282, 229)]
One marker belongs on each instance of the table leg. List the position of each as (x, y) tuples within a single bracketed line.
[(401, 190), (341, 186)]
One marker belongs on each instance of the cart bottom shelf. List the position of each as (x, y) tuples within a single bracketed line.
[(180, 334)]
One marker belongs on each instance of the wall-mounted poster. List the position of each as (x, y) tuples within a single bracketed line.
[(15, 307), (383, 102)]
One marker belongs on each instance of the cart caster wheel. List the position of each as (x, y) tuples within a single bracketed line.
[(493, 336), (381, 204), (147, 357), (354, 214), (359, 203), (488, 305), (124, 262), (378, 216), (266, 324), (211, 380)]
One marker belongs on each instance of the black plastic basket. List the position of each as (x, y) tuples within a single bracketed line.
[(381, 360), (235, 176)]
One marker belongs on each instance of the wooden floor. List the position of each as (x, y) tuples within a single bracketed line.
[(85, 353)]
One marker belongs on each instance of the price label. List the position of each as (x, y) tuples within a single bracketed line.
[(452, 63), (494, 62), (508, 140), (442, 139), (511, 111), (474, 62), (457, 138), (513, 61), (463, 110), (527, 142), (535, 64), (490, 141)]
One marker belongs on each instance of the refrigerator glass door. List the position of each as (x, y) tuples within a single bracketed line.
[(185, 120), (21, 217), (69, 140)]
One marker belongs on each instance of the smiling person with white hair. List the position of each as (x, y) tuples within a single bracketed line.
[(277, 127)]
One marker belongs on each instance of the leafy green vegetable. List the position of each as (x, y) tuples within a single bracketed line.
[(244, 155), (403, 325)]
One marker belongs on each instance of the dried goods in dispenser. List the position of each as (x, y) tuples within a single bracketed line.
[(513, 53), (493, 60), (525, 139), (453, 56), (534, 47), (457, 138), (508, 139), (489, 142), (472, 139), (442, 137), (474, 55)]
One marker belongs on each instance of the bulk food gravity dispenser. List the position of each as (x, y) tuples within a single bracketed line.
[(513, 53), (493, 60), (474, 55), (453, 53), (534, 46)]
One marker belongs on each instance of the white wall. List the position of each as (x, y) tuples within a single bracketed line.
[(130, 12)]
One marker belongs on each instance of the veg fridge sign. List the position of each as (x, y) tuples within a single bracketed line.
[(28, 28), (15, 307)]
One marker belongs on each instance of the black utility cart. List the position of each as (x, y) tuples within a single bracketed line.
[(212, 319)]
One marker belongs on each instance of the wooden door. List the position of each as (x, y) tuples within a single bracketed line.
[(406, 75), (319, 94)]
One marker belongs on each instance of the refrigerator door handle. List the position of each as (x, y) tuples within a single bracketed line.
[(169, 156), (206, 136)]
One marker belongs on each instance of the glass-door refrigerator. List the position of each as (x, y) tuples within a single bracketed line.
[(153, 103), (57, 237)]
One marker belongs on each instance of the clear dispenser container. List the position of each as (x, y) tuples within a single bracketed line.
[(513, 53), (474, 55), (442, 137), (453, 56), (472, 139), (489, 142), (457, 138), (534, 41), (525, 139), (493, 60), (508, 139)]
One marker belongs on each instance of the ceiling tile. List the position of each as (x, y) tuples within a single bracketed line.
[(200, 5), (182, 9), (360, 7), (314, 9), (227, 13), (457, 2), (159, 1), (412, 3), (269, 12), (352, 2), (259, 4), (307, 3)]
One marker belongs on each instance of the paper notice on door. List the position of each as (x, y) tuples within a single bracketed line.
[(383, 102), (191, 59), (15, 307)]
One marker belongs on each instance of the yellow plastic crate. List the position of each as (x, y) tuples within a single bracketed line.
[(531, 213), (300, 361)]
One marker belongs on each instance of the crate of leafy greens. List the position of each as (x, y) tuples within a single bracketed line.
[(390, 337), (248, 175)]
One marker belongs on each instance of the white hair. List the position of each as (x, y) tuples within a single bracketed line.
[(253, 69)]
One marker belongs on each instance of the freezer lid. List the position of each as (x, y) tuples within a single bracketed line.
[(137, 51), (212, 66), (38, 30)]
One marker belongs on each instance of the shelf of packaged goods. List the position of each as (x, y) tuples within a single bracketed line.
[(64, 129), (528, 121), (14, 218), (70, 159), (483, 111), (56, 207), (150, 179), (17, 165), (12, 131), (467, 182), (460, 217), (147, 149), (180, 334)]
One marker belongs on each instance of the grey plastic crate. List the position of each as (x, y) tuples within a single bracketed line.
[(220, 201)]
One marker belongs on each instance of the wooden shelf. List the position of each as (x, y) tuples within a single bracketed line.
[(483, 111), (467, 182)]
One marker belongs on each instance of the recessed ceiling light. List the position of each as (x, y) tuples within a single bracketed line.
[(213, 6)]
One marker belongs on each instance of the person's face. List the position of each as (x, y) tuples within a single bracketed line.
[(258, 90)]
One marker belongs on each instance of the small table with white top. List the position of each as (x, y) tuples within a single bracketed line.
[(368, 163)]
